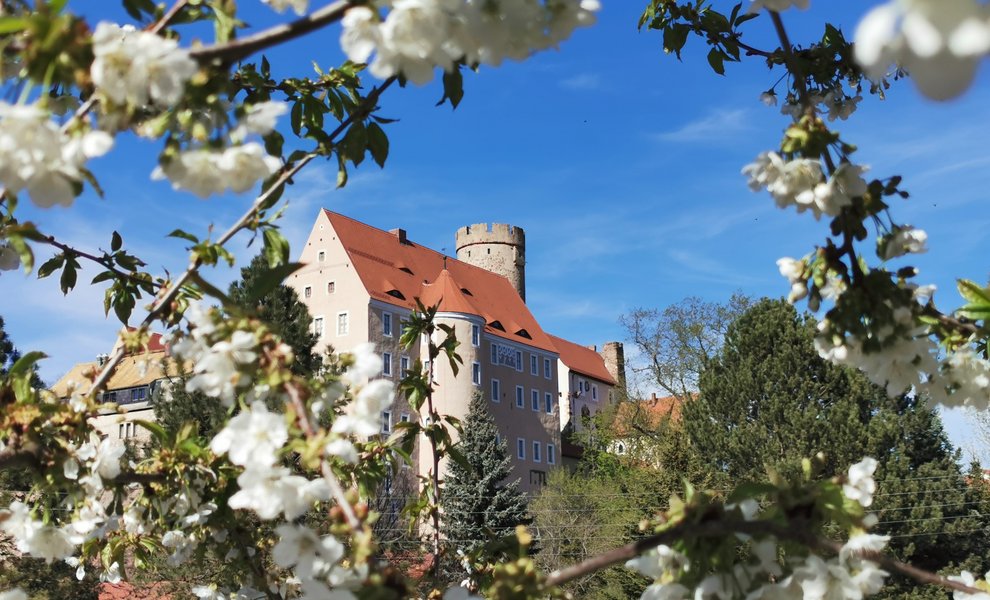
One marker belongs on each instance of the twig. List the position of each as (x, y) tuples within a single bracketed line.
[(244, 47), (102, 261), (791, 60), (168, 16)]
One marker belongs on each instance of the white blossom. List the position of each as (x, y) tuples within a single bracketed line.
[(206, 172), (363, 416), (939, 42), (261, 118), (9, 259), (14, 594), (901, 241), (658, 562), (217, 370), (253, 437), (269, 492), (280, 6), (859, 485), (300, 548), (966, 578), (769, 98), (139, 67), (37, 156), (344, 450)]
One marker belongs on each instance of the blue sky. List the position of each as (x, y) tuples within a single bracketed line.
[(621, 163)]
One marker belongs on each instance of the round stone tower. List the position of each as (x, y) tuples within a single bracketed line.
[(496, 247)]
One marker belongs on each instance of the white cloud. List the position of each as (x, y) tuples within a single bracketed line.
[(717, 125), (583, 81)]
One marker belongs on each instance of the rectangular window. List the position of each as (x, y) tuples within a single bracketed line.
[(403, 365), (120, 431), (476, 335), (494, 354), (519, 366), (548, 403), (551, 454), (521, 448), (594, 392), (343, 324), (318, 326), (546, 368), (534, 364), (520, 401), (387, 364), (308, 291), (476, 373), (387, 324), (404, 418), (496, 395), (331, 287), (321, 256), (536, 451), (534, 400), (386, 421)]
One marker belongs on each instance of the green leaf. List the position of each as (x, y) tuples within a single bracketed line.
[(51, 265), (13, 24), (453, 87), (26, 363), (68, 279), (276, 247), (674, 38), (378, 144), (115, 242), (715, 58), (178, 233), (973, 293)]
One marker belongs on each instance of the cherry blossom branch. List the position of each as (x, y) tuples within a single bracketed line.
[(246, 46), (302, 415), (717, 529), (168, 16), (103, 261)]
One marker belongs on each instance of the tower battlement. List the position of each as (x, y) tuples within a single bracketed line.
[(496, 247)]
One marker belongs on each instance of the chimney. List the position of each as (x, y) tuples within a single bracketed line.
[(615, 362), (399, 233), (592, 347)]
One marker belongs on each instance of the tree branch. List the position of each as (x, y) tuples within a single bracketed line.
[(244, 47)]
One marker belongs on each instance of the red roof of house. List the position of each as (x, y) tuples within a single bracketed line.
[(397, 271), (647, 413), (583, 360)]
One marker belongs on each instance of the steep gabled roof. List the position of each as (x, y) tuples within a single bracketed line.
[(646, 413), (134, 370), (396, 271), (582, 360)]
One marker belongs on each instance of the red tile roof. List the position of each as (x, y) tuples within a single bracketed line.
[(646, 413), (398, 271), (583, 360)]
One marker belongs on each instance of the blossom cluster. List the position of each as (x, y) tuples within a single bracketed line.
[(939, 43), (37, 156), (219, 363), (138, 68), (415, 36), (847, 575), (801, 183)]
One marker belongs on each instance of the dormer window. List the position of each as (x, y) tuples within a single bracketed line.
[(524, 334), (496, 325), (396, 294)]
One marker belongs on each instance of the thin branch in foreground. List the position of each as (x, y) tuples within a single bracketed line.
[(244, 47)]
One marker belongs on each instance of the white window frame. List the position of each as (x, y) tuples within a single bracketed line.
[(548, 403), (536, 451), (404, 417), (534, 400), (387, 324), (318, 326), (476, 373), (521, 448), (551, 454), (386, 364), (520, 397), (475, 335), (386, 421), (534, 364), (496, 390), (346, 330), (546, 368)]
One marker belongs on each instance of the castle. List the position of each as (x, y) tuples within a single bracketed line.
[(360, 283)]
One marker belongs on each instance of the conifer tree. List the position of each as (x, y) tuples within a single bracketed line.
[(479, 503), (768, 399)]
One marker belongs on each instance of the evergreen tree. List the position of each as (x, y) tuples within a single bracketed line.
[(9, 354), (768, 400), (479, 505), (260, 292)]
